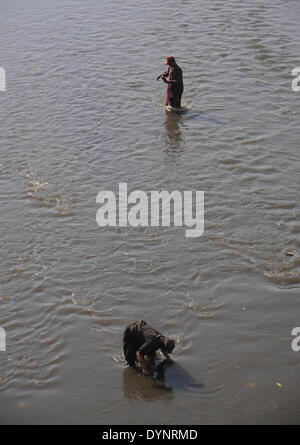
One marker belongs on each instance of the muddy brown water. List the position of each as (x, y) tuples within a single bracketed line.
[(81, 114)]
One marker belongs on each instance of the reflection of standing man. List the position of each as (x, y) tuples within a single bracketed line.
[(175, 83)]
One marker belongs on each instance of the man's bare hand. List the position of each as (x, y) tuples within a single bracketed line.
[(167, 356)]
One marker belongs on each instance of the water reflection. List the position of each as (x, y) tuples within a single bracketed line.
[(173, 132), (138, 386), (166, 378), (174, 139)]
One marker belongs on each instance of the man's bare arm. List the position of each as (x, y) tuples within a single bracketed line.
[(163, 75), (143, 364)]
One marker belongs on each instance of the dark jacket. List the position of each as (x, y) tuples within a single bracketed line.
[(141, 337), (175, 73)]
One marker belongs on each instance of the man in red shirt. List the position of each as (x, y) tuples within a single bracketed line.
[(175, 83)]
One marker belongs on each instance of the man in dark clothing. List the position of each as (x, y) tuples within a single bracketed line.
[(175, 83), (140, 340)]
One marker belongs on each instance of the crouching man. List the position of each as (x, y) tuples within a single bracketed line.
[(140, 343)]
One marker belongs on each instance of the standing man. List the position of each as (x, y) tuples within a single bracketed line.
[(175, 83), (141, 341)]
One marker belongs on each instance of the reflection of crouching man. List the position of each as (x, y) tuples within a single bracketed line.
[(141, 341)]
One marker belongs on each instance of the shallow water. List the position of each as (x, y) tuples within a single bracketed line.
[(82, 113)]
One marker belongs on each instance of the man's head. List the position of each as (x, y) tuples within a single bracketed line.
[(168, 345), (170, 61)]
